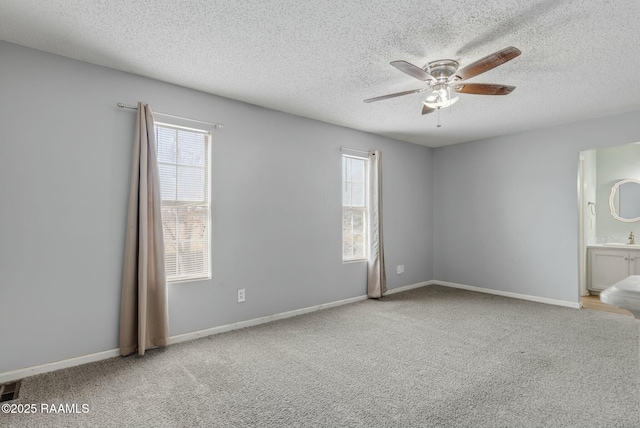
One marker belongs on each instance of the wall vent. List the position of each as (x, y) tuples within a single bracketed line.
[(9, 391)]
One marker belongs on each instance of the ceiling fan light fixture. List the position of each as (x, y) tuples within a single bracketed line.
[(437, 102), (440, 97)]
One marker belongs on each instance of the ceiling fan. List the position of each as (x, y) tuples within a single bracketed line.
[(444, 78)]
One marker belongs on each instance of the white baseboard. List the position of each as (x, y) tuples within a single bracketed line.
[(58, 365), (257, 321), (76, 361), (565, 303), (84, 359), (408, 287)]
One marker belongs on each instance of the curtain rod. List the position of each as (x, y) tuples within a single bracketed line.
[(215, 125), (353, 150)]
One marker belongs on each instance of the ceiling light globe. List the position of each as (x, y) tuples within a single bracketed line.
[(434, 103)]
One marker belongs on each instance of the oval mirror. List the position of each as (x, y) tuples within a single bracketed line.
[(625, 200)]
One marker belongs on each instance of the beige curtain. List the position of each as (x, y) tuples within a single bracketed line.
[(144, 319), (377, 276)]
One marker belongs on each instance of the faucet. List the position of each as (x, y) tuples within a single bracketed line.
[(631, 238)]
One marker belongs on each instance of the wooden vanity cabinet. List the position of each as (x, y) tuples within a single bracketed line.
[(606, 266)]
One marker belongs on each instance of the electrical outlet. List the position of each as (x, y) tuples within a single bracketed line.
[(241, 297), (400, 269)]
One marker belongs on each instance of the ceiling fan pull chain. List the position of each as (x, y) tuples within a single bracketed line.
[(438, 118)]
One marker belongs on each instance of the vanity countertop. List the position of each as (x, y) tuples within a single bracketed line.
[(618, 245)]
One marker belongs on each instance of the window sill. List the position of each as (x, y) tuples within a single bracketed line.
[(182, 281), (347, 262)]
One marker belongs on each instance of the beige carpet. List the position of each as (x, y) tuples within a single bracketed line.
[(430, 357)]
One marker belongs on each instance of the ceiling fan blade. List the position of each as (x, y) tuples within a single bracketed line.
[(397, 94), (412, 70), (427, 110), (483, 89), (488, 62)]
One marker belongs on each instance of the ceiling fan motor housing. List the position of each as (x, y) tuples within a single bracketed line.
[(442, 69)]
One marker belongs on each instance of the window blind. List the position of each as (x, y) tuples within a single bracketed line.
[(184, 167), (354, 208)]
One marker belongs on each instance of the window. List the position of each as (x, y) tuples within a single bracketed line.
[(183, 163), (354, 208)]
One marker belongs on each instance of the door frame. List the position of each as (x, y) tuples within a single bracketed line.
[(582, 246)]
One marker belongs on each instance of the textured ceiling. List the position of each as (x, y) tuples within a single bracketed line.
[(321, 58)]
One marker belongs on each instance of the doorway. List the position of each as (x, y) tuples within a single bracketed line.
[(605, 252)]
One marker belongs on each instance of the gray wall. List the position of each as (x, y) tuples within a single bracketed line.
[(505, 209), (614, 164), (64, 170)]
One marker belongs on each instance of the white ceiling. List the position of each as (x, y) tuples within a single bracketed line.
[(321, 58)]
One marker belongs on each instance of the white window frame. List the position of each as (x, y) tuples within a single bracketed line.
[(173, 124), (364, 210)]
